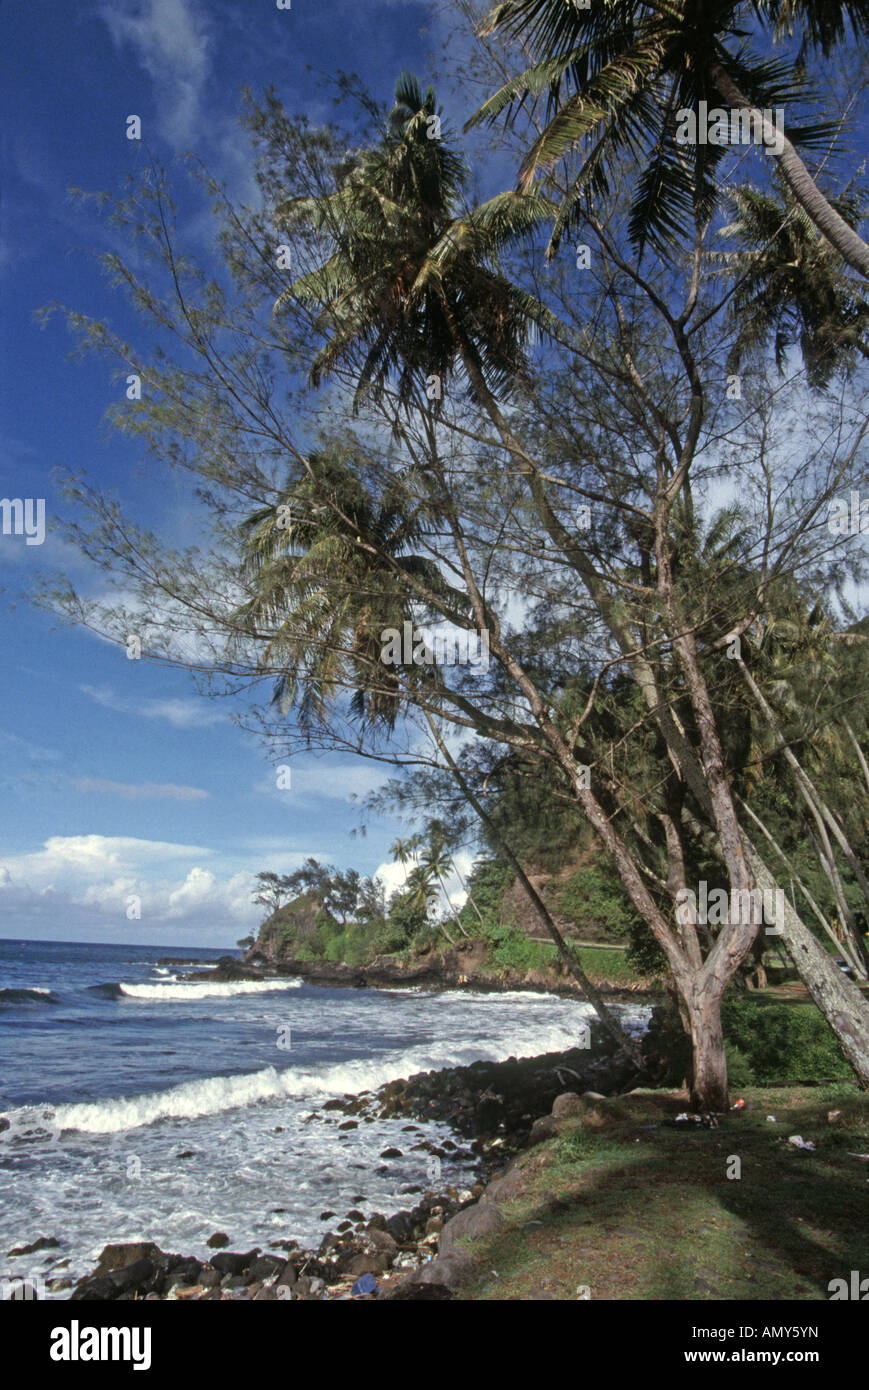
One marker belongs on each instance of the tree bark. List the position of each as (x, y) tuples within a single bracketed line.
[(708, 1076)]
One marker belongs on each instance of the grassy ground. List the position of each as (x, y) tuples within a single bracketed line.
[(604, 965), (634, 1212)]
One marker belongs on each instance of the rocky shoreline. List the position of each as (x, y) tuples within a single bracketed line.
[(463, 968), (493, 1108)]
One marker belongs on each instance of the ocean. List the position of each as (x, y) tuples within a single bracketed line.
[(135, 1106)]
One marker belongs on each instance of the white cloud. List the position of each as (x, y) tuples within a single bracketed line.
[(78, 884), (182, 713), (171, 42), (394, 876), (142, 791), (83, 858), (317, 780)]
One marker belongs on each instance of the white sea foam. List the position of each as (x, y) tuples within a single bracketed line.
[(212, 1095), (188, 990)]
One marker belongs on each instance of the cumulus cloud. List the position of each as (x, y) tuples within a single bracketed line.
[(171, 42), (76, 884), (394, 876)]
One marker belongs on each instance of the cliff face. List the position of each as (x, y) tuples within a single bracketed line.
[(286, 929)]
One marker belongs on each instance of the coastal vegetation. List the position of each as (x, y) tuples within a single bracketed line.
[(598, 418)]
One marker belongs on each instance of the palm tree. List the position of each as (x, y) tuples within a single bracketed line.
[(412, 279), (435, 861), (467, 889), (791, 285), (422, 891), (796, 656), (614, 74), (329, 567), (403, 851)]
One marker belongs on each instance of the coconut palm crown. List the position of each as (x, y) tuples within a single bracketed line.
[(411, 281)]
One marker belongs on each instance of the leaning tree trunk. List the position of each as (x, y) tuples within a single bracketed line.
[(838, 998), (847, 949), (449, 905), (832, 226)]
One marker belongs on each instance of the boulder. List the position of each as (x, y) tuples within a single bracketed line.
[(288, 1275), (544, 1128), (504, 1189), (381, 1243), (356, 1264), (477, 1221), (450, 1271), (229, 1262), (94, 1291), (134, 1276), (114, 1257), (264, 1267), (400, 1227), (408, 1291), (183, 1271), (567, 1104), (604, 1114), (43, 1243)]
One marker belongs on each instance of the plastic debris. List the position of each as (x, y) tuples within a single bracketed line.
[(739, 1105), (772, 1119), (799, 1142), (366, 1283), (708, 1121), (833, 1115)]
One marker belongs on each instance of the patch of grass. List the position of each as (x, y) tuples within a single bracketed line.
[(635, 1212), (607, 965), (580, 1145)]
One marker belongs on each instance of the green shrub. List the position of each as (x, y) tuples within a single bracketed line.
[(407, 918), (764, 1043), (513, 950), (334, 949), (595, 898), (740, 1072), (783, 1042), (489, 880)]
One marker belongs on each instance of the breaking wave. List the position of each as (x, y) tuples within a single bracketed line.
[(193, 989), (27, 996)]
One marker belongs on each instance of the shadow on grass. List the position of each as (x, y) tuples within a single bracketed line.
[(660, 1219)]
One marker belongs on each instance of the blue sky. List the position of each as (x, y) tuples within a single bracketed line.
[(118, 780)]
